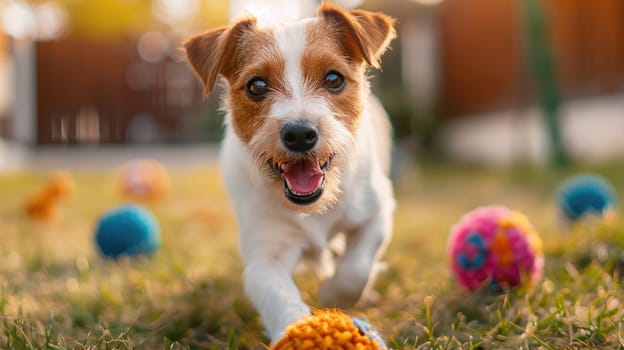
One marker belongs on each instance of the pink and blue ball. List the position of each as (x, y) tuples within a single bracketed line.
[(128, 230), (495, 247), (586, 195)]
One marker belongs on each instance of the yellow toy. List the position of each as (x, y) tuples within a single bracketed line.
[(330, 329), (42, 205)]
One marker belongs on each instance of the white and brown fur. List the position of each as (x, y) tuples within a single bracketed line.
[(353, 144)]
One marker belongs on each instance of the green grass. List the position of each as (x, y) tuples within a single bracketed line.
[(57, 293)]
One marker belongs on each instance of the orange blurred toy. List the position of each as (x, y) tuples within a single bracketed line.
[(42, 205), (144, 181)]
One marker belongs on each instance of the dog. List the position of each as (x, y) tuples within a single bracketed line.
[(306, 152)]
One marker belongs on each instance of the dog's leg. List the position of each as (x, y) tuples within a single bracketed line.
[(355, 271), (269, 285)]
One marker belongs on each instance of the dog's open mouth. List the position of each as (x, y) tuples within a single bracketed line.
[(303, 179)]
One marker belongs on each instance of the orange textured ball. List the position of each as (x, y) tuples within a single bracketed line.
[(329, 329)]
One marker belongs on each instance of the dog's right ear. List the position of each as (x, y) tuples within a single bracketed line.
[(214, 52), (366, 34)]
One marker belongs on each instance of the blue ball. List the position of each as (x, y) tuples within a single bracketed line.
[(127, 230), (586, 194)]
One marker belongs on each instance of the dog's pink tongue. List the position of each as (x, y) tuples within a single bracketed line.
[(303, 176)]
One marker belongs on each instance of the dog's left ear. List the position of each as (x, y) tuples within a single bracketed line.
[(366, 35)]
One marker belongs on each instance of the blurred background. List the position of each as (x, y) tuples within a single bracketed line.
[(493, 82)]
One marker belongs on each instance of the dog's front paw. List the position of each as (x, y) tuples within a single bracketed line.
[(341, 293)]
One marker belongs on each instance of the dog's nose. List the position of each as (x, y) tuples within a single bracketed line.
[(299, 136)]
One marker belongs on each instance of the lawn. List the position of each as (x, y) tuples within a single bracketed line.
[(57, 293)]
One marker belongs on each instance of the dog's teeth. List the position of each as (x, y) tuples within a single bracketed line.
[(290, 188)]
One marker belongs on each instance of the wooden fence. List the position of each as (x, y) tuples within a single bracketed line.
[(101, 91)]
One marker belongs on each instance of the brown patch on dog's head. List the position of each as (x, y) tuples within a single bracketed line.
[(259, 59), (239, 53), (347, 42), (324, 53)]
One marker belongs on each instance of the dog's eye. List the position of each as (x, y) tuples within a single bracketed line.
[(257, 88), (334, 81)]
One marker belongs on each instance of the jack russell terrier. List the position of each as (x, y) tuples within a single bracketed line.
[(306, 153)]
